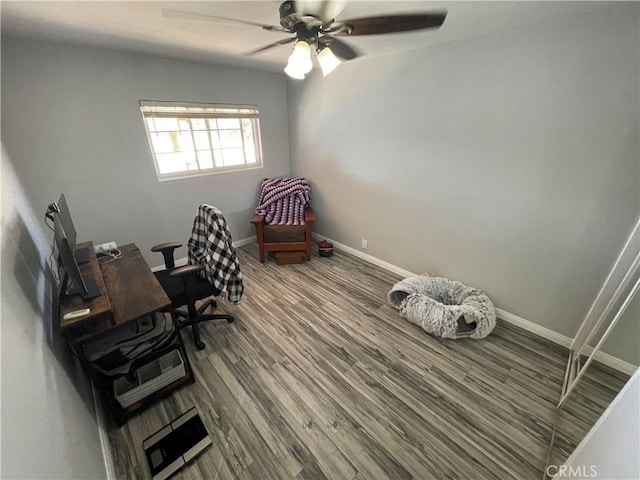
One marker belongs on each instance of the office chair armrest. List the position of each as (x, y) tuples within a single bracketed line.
[(186, 270), (257, 218), (167, 252)]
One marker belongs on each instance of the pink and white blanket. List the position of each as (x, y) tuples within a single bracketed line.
[(283, 200)]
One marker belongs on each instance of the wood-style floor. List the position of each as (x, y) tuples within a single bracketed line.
[(320, 378)]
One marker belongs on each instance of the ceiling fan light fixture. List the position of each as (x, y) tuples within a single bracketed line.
[(328, 61), (293, 72), (314, 25), (300, 59)]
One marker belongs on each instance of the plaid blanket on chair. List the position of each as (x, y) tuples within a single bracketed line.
[(210, 245), (283, 200)]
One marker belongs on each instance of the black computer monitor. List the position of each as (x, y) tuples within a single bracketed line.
[(81, 254), (73, 281)]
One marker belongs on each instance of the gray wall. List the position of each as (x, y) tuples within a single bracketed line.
[(508, 161), (71, 124), (624, 340), (48, 420)]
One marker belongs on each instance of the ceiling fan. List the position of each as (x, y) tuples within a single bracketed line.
[(319, 30)]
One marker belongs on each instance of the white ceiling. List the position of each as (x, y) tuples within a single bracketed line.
[(140, 26)]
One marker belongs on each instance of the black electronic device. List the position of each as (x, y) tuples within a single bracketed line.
[(61, 210), (175, 445), (73, 282)]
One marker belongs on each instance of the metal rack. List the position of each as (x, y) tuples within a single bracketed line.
[(617, 292)]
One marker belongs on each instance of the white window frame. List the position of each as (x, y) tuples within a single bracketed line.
[(185, 111)]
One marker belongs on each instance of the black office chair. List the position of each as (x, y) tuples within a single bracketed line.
[(185, 286)]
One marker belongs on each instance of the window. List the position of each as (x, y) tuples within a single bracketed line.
[(189, 139)]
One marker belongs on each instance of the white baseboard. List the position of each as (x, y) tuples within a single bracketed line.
[(245, 241), (102, 432), (555, 337), (558, 338), (366, 257), (529, 326), (611, 361), (184, 260)]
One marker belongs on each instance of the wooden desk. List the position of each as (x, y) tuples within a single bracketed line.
[(132, 287), (130, 291)]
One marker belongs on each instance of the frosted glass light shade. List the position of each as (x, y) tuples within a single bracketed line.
[(328, 61), (293, 72), (300, 59)]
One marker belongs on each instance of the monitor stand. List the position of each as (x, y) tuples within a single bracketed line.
[(92, 289), (83, 255)]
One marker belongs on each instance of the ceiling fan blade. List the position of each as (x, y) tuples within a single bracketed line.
[(340, 49), (271, 45), (170, 13), (395, 23)]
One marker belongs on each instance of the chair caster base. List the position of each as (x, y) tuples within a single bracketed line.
[(200, 346), (231, 320)]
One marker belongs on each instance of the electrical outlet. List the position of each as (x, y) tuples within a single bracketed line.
[(364, 243), (103, 247)]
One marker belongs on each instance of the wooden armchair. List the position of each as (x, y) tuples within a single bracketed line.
[(284, 238)]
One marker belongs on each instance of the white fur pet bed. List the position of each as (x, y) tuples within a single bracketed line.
[(436, 304)]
